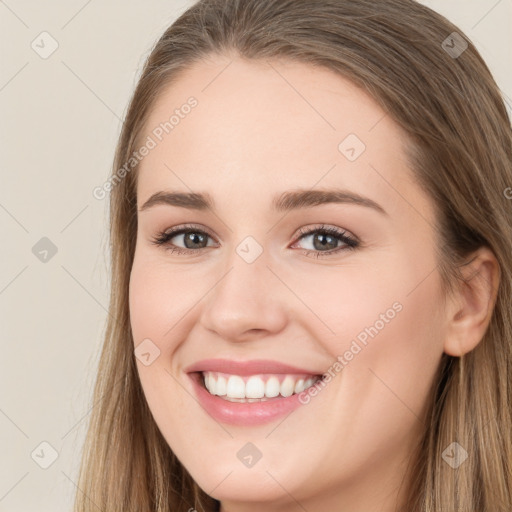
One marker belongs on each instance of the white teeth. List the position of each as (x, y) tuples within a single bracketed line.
[(220, 386), (272, 387), (256, 388), (236, 387), (287, 386), (299, 386)]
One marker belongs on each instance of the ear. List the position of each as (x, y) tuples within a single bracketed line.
[(470, 309)]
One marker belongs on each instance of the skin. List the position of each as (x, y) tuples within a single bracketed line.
[(253, 135)]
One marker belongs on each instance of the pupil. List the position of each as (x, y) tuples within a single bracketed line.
[(326, 239), (194, 238)]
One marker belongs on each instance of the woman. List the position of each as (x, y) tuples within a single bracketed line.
[(311, 240)]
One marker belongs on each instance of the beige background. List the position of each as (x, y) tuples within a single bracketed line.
[(60, 121)]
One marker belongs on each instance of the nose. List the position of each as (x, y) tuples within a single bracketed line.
[(247, 302)]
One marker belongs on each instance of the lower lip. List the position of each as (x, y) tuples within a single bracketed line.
[(243, 413)]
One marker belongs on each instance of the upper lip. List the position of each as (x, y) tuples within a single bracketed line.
[(252, 367)]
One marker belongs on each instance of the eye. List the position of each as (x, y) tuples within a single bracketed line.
[(191, 236), (325, 240), (327, 237)]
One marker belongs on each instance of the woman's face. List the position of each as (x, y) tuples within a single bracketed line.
[(256, 278)]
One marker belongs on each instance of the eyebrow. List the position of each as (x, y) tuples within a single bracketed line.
[(287, 201)]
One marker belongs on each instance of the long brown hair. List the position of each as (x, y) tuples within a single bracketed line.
[(400, 53)]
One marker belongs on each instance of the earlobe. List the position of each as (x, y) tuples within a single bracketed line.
[(470, 310)]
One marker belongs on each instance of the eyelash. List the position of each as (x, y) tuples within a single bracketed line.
[(351, 243)]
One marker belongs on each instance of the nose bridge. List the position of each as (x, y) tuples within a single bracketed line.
[(245, 296)]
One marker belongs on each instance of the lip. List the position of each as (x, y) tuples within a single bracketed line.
[(243, 368), (239, 413)]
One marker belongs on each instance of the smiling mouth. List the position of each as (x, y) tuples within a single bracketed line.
[(255, 388)]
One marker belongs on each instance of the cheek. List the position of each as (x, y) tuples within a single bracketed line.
[(147, 300), (154, 310), (389, 342), (387, 305), (392, 351), (157, 301), (388, 334), (350, 303)]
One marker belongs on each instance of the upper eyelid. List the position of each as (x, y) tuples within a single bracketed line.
[(187, 227), (324, 227), (298, 233)]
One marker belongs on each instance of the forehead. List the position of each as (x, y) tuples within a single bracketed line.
[(259, 127)]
